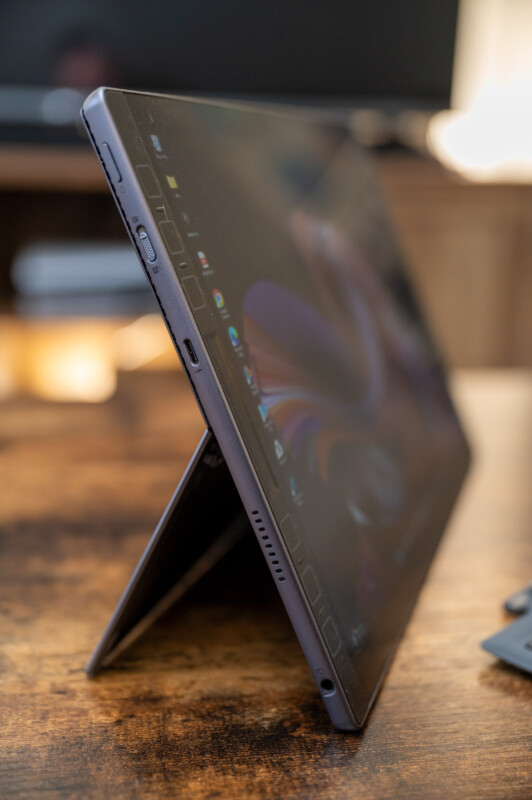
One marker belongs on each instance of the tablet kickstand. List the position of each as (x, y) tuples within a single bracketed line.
[(203, 520)]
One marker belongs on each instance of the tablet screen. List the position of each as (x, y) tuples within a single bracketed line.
[(278, 236)]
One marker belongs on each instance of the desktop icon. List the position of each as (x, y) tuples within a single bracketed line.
[(186, 217), (203, 260), (263, 411), (172, 183), (249, 376), (279, 449), (233, 335), (293, 487), (218, 298), (358, 635), (156, 143)]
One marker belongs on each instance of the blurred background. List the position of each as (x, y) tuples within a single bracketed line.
[(440, 92)]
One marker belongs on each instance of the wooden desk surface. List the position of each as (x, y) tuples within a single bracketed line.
[(216, 701)]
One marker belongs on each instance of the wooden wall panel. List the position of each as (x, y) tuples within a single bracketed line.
[(470, 253)]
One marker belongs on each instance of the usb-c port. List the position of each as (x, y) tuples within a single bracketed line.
[(191, 352)]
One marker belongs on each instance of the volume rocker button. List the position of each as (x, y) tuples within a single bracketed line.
[(146, 244), (110, 163)]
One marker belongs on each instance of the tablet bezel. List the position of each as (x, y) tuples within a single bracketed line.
[(109, 121)]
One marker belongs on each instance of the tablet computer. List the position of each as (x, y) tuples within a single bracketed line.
[(266, 243)]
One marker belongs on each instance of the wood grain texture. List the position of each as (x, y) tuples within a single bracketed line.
[(216, 700)]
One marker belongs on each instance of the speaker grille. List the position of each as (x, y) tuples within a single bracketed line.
[(267, 546)]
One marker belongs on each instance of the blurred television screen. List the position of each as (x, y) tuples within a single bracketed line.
[(347, 52)]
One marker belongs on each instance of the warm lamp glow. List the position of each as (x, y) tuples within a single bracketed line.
[(78, 359), (485, 144), (77, 374), (9, 357), (141, 343), (488, 134), (71, 369)]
